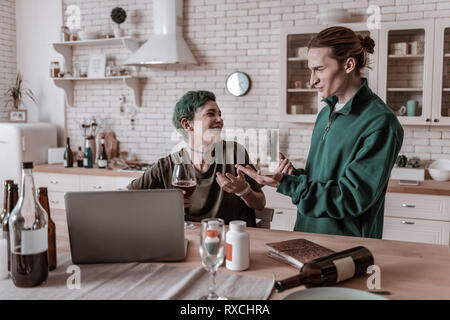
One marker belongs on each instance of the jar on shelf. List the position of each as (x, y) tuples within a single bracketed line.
[(65, 34), (54, 69)]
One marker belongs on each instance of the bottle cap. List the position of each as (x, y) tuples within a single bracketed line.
[(211, 233), (238, 225), (27, 165)]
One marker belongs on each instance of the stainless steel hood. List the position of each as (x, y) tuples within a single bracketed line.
[(166, 45)]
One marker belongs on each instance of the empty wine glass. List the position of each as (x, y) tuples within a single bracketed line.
[(212, 251), (183, 177)]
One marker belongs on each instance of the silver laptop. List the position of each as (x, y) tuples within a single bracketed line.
[(126, 226)]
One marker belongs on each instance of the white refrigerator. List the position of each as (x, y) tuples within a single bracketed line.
[(23, 142)]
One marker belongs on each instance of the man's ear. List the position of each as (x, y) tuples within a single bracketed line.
[(350, 65), (185, 123)]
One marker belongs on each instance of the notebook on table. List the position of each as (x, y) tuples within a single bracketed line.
[(126, 226), (296, 252)]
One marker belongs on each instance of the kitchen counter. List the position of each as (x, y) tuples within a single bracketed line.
[(59, 168), (408, 270), (429, 186)]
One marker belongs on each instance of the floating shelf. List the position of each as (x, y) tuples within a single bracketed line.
[(404, 89), (302, 90), (297, 59), (67, 85), (65, 49), (447, 55), (406, 56), (446, 89)]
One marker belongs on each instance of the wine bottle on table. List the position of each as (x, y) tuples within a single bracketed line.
[(29, 235), (43, 200), (87, 160), (80, 157), (12, 197), (102, 160), (331, 269), (68, 155), (5, 202)]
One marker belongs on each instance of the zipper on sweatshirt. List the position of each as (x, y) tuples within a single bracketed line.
[(330, 120)]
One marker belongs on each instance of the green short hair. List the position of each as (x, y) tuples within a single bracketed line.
[(188, 105)]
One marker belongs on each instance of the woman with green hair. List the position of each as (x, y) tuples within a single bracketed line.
[(222, 190)]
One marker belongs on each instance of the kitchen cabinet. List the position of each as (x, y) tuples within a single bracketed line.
[(58, 184), (405, 73), (285, 213), (417, 218), (441, 73), (299, 102), (65, 49)]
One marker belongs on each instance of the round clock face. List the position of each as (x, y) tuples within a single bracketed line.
[(238, 83)]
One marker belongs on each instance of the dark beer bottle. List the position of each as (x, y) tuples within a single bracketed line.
[(79, 158), (43, 200), (87, 160), (13, 195), (102, 160), (29, 235), (329, 270), (5, 199), (68, 155)]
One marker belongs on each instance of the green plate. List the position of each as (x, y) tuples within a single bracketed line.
[(332, 293)]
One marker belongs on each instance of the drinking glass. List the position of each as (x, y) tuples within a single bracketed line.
[(183, 178), (212, 251)]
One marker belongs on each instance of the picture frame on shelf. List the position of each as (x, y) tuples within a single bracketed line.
[(19, 116), (97, 65)]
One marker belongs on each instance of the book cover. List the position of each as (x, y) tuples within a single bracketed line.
[(296, 252)]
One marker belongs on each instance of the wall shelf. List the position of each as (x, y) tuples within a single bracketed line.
[(65, 49), (67, 85)]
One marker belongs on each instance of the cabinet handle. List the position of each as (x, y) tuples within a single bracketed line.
[(54, 181), (428, 120), (436, 120), (279, 212), (407, 222), (408, 205), (97, 187), (54, 201)]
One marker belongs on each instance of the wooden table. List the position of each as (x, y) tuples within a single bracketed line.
[(408, 270)]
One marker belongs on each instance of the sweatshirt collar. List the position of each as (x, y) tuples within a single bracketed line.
[(362, 95)]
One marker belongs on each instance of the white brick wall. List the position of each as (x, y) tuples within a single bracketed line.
[(7, 51), (224, 36)]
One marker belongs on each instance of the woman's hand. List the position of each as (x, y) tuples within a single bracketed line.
[(230, 183), (284, 166)]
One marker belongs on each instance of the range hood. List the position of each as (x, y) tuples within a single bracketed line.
[(166, 45)]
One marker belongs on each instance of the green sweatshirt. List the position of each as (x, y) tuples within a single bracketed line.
[(342, 188)]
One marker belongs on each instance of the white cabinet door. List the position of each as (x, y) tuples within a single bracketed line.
[(56, 182), (122, 182), (97, 183), (284, 219), (416, 230), (418, 206)]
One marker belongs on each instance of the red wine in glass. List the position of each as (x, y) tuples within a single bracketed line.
[(188, 186)]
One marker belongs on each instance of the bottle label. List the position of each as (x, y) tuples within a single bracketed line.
[(85, 162), (229, 251), (345, 268), (33, 241), (102, 163)]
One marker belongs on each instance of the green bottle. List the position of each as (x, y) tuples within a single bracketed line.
[(87, 160)]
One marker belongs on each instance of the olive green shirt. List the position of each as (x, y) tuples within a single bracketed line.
[(208, 200)]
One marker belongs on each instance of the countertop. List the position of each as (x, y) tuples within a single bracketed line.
[(428, 186), (59, 168), (408, 270)]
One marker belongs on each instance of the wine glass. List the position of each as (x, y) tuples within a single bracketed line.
[(183, 178), (212, 251)]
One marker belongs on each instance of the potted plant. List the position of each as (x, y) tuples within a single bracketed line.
[(15, 95), (118, 15)]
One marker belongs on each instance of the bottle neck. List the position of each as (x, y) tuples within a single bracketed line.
[(291, 282), (27, 198), (87, 143)]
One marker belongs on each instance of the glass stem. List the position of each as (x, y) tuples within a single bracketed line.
[(212, 285)]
